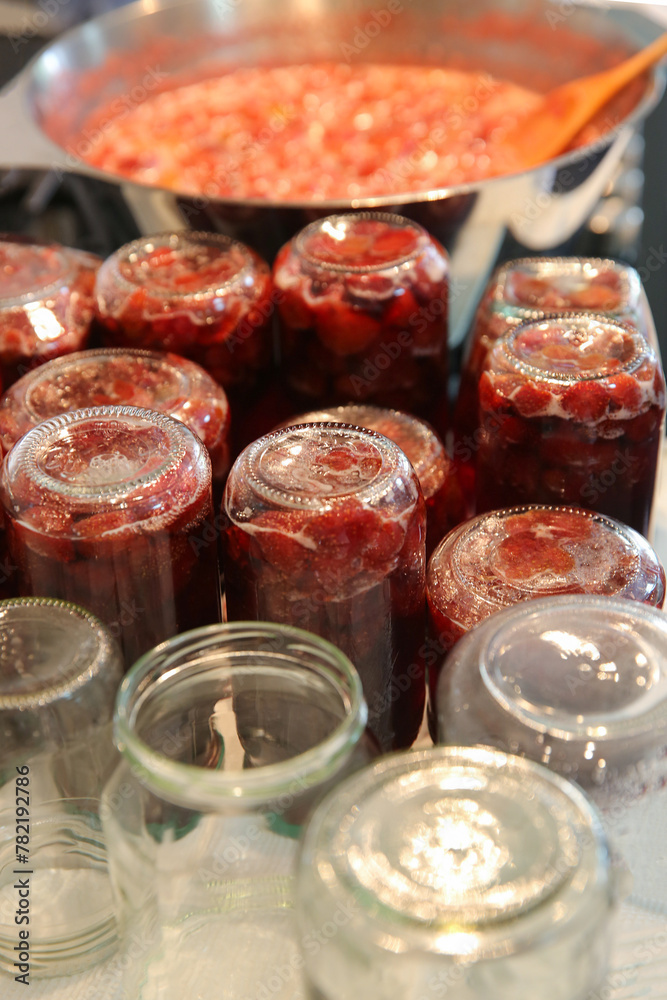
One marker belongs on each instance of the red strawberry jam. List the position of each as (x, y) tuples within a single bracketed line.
[(362, 301), (522, 553), (438, 478), (528, 289), (325, 529), (117, 377), (572, 411), (111, 508), (46, 303)]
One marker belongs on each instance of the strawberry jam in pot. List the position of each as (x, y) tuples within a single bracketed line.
[(46, 303), (571, 411), (532, 287), (362, 301), (438, 478), (122, 377), (522, 553), (111, 508), (324, 528)]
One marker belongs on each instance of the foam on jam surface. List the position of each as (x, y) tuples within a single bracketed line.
[(317, 131)]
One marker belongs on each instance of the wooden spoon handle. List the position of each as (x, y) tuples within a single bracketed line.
[(565, 110)]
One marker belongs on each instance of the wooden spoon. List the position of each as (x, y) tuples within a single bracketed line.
[(548, 129)]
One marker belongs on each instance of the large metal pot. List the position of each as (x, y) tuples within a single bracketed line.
[(128, 54)]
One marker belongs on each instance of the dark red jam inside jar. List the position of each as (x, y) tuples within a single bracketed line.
[(362, 302), (530, 288), (506, 556), (122, 377), (325, 529), (110, 508), (572, 411), (46, 303), (438, 478)]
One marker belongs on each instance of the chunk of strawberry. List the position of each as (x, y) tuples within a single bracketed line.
[(586, 401), (531, 399), (524, 555), (343, 329)]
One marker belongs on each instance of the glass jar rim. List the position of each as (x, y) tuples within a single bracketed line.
[(505, 347), (390, 454), (630, 282), (26, 449), (399, 221), (204, 788), (66, 273), (459, 539), (73, 680), (571, 728), (174, 240), (570, 900), (68, 363)]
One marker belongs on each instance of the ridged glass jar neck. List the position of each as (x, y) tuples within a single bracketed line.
[(270, 711)]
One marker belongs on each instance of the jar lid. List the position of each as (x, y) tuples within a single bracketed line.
[(445, 850), (49, 649), (416, 438), (566, 284), (130, 464), (576, 682), (310, 466), (521, 553)]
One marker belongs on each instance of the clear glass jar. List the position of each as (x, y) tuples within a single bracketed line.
[(111, 508), (363, 314), (438, 478), (202, 295), (229, 734), (571, 411), (524, 553), (152, 380), (324, 528), (46, 303), (533, 287), (59, 673), (433, 872), (578, 683)]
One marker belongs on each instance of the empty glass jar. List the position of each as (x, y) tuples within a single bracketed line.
[(229, 735)]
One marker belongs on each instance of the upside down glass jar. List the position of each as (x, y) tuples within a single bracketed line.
[(525, 553), (578, 683), (204, 296), (324, 528), (46, 303), (59, 673), (530, 288), (363, 314), (461, 872), (111, 508), (438, 478), (152, 380), (230, 735), (572, 411)]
